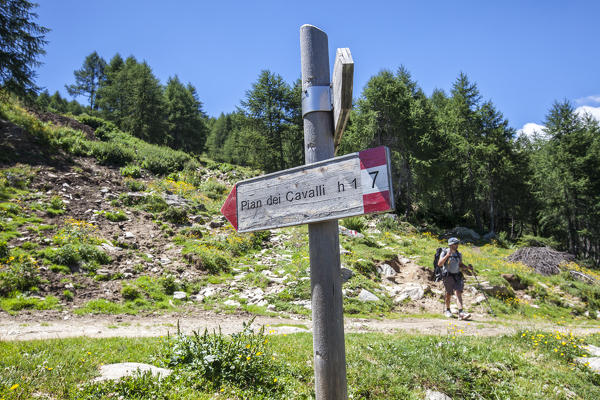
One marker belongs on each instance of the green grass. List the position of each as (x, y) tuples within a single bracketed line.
[(379, 366)]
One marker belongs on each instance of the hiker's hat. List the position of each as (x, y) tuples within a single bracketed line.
[(452, 241)]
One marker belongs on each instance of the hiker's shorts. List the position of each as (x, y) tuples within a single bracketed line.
[(454, 282)]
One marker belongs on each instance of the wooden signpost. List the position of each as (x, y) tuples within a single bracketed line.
[(317, 194), (353, 184)]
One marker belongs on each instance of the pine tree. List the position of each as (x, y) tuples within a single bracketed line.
[(88, 79), (185, 119), (21, 43)]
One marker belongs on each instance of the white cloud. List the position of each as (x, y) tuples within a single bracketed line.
[(593, 111), (531, 129), (593, 99)]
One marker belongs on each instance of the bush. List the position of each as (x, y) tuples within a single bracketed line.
[(175, 215), (242, 360), (355, 223), (537, 241), (155, 204), (115, 216), (68, 295), (130, 292), (18, 274), (131, 171), (169, 284), (212, 189), (4, 251), (110, 153), (207, 259), (135, 185)]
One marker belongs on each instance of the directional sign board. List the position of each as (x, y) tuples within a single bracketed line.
[(353, 184)]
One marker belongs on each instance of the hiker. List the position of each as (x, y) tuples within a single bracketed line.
[(453, 279)]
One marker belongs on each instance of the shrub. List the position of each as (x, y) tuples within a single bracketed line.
[(115, 216), (207, 259), (155, 204), (56, 202), (68, 295), (175, 215), (537, 241), (135, 185), (355, 223), (18, 274), (242, 360), (212, 189), (110, 153), (131, 171), (130, 292), (4, 251), (169, 284)]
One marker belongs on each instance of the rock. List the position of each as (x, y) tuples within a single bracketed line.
[(404, 260), (304, 303), (580, 276), (366, 296), (197, 297), (109, 248), (494, 290), (103, 272), (175, 200), (197, 219), (478, 300), (343, 250), (165, 260), (262, 303), (120, 370), (514, 281), (412, 290), (433, 395), (129, 235), (464, 234), (69, 286), (271, 307), (386, 271), (215, 224), (231, 303), (346, 274), (127, 275), (489, 236), (350, 232), (594, 362), (592, 350), (209, 291), (179, 295)]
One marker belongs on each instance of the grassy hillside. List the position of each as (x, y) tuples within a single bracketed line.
[(107, 223)]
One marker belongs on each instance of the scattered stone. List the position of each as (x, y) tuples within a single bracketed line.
[(304, 303), (129, 235), (346, 274), (179, 295), (121, 370), (103, 273), (231, 303), (433, 395), (366, 296), (209, 291)]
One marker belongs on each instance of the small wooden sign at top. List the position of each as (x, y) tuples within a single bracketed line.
[(341, 84)]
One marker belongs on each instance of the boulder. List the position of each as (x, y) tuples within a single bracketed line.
[(592, 362), (514, 281), (494, 290), (386, 271), (413, 291), (464, 234), (121, 370), (366, 296)]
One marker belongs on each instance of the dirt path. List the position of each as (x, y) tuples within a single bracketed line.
[(40, 326)]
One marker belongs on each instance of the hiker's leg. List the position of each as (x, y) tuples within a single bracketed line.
[(459, 301), (448, 297)]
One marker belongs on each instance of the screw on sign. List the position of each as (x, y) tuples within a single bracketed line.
[(350, 185)]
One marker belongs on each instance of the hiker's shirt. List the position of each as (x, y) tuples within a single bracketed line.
[(452, 265)]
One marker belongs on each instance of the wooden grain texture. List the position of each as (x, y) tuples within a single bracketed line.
[(342, 84), (326, 287)]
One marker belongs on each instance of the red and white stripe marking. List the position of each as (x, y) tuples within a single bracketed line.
[(375, 180)]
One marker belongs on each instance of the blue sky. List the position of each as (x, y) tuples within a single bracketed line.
[(523, 55)]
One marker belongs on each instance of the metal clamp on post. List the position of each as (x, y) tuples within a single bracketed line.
[(316, 98)]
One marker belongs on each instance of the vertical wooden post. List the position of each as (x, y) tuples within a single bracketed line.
[(328, 321)]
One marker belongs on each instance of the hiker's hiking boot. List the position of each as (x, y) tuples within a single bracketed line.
[(464, 315), (448, 314)]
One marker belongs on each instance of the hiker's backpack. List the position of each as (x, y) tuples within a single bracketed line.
[(437, 270)]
